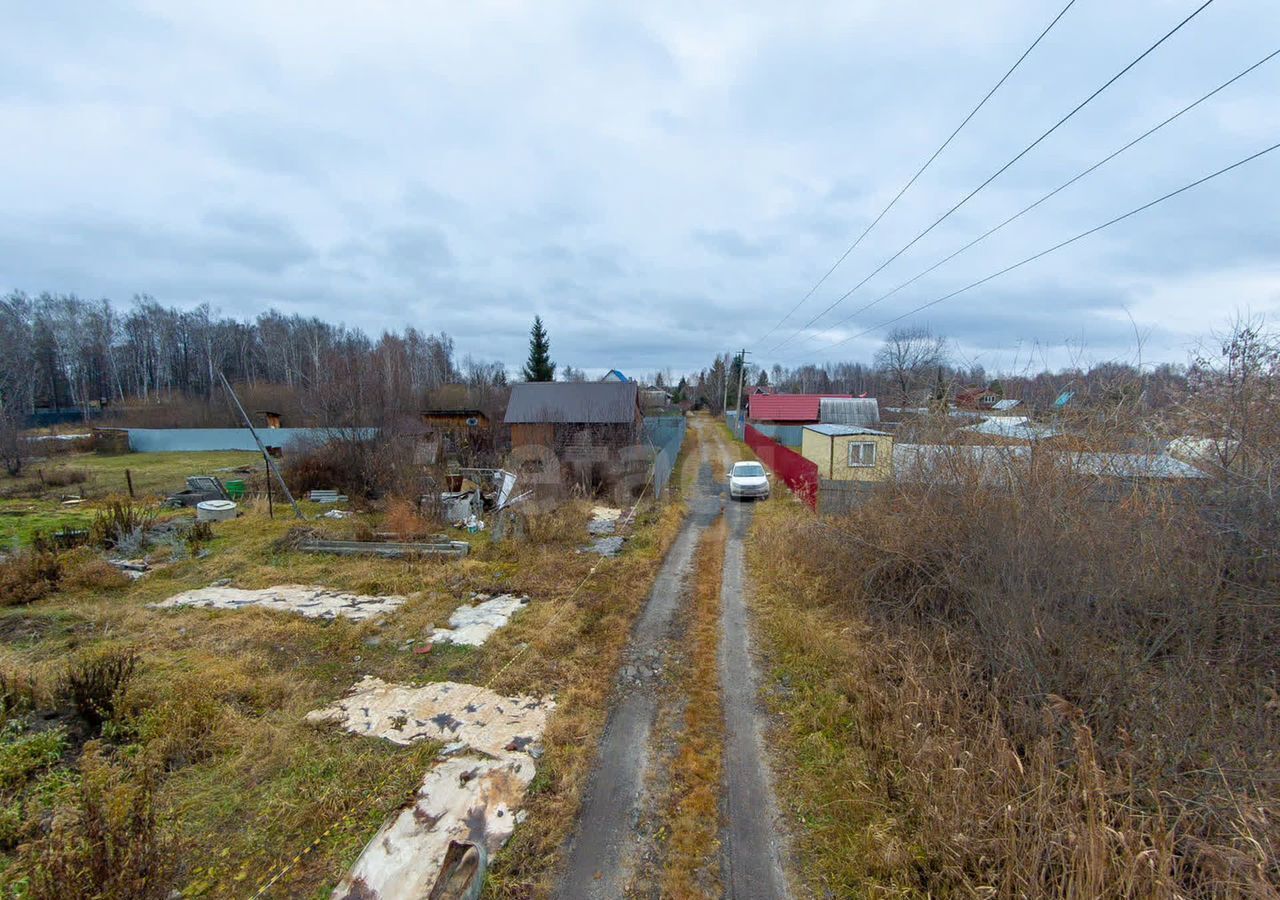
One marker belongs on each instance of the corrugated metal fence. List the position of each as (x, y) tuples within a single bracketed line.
[(787, 435), (666, 433), (800, 474)]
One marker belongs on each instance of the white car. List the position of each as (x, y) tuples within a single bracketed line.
[(748, 479)]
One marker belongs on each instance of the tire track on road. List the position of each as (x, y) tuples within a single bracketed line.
[(603, 855), (754, 842)]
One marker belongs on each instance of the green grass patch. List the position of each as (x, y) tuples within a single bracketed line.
[(22, 755), (153, 474), (22, 520)]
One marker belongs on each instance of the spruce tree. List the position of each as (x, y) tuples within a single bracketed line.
[(539, 367)]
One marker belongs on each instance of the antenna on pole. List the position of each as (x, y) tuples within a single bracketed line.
[(271, 466)]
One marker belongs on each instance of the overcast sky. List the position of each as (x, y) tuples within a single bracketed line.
[(660, 182)]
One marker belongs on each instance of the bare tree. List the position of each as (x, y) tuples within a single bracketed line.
[(16, 363), (909, 357)]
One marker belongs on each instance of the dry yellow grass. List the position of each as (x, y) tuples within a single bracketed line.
[(242, 784), (691, 867), (913, 771)]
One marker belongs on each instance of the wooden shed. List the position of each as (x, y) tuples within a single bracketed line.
[(556, 414), (454, 418), (848, 452)]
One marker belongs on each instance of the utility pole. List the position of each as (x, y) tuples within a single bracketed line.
[(742, 373), (724, 404)]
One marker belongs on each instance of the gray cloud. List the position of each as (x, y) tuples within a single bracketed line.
[(730, 243), (660, 184)]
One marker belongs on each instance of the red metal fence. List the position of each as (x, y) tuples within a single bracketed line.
[(800, 474)]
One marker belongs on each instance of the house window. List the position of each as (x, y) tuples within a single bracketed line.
[(862, 454)]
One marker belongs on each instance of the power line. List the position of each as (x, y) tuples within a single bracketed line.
[(1080, 236), (1066, 184), (1112, 80), (920, 172)]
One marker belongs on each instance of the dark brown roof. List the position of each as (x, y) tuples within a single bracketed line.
[(588, 402)]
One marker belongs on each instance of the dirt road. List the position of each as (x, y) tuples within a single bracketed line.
[(612, 851), (752, 838)]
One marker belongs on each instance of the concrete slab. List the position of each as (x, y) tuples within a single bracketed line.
[(467, 799), (307, 600), (473, 795), (473, 624), (444, 711)]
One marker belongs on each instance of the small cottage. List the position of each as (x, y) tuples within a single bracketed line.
[(848, 452), (559, 414)]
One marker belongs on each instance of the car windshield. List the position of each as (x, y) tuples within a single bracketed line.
[(748, 470)]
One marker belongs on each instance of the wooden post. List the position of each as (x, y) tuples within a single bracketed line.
[(128, 478), (271, 511), (272, 469)]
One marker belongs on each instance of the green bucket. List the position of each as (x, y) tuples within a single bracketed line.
[(235, 489)]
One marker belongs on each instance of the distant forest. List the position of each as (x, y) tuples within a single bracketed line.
[(152, 364), (64, 351)]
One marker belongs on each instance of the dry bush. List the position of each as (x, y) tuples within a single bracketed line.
[(22, 490), (64, 477), (83, 569), (403, 519), (564, 523), (367, 467), (185, 727), (196, 535), (120, 521), (94, 682), (17, 693), (1063, 680), (107, 842), (29, 576)]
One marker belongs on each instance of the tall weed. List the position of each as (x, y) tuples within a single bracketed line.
[(1055, 681)]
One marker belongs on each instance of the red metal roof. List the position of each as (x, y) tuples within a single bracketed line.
[(786, 407)]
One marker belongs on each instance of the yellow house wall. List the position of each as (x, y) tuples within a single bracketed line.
[(838, 464), (817, 448)]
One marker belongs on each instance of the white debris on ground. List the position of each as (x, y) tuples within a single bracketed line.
[(472, 796), (307, 600), (468, 799), (337, 514), (132, 568), (604, 520), (472, 625), (444, 711), (606, 546)]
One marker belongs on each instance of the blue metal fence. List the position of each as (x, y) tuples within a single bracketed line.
[(177, 440), (787, 435)]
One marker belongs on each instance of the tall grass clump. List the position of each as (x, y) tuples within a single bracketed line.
[(28, 576), (63, 477), (120, 523), (107, 842), (95, 680)]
